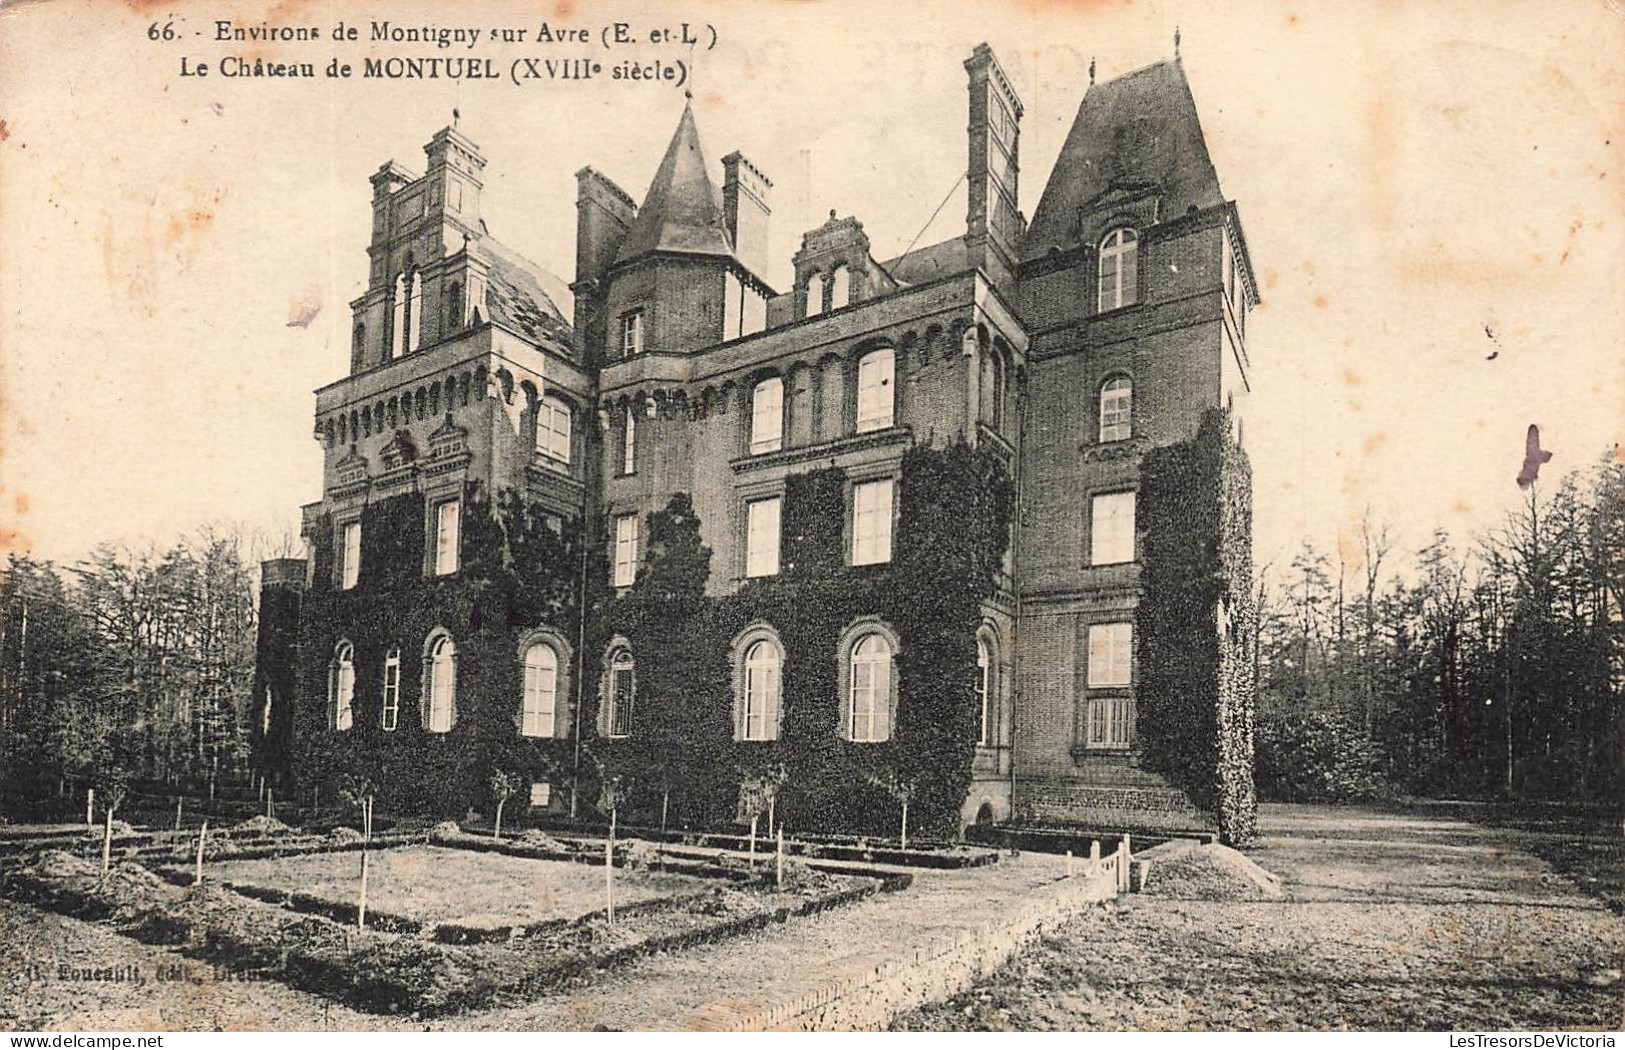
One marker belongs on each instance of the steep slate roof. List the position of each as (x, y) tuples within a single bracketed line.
[(682, 212), (516, 293), (1137, 129), (925, 264)]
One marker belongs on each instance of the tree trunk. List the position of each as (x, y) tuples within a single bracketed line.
[(753, 821), (496, 832), (904, 839), (202, 834), (361, 905), (107, 844)]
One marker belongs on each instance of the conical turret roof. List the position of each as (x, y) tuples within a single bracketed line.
[(682, 212)]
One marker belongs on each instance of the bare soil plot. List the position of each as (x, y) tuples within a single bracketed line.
[(1388, 922), (433, 884)]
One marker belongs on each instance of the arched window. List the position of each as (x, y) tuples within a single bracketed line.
[(453, 320), (767, 416), (984, 689), (1117, 409), (840, 288), (876, 390), (414, 312), (870, 695), (553, 429), (759, 713), (392, 691), (397, 331), (620, 693), (440, 684), (1119, 269), (815, 295), (541, 690), (341, 687)]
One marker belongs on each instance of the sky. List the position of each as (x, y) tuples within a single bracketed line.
[(1433, 195)]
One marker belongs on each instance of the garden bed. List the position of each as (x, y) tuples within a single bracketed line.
[(388, 972)]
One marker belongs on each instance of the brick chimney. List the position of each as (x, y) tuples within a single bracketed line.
[(992, 222), (745, 210), (604, 211)]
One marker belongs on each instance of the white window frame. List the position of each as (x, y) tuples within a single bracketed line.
[(877, 390), (440, 693), (767, 416), (350, 554), (763, 519), (1119, 269), (869, 692), (539, 713), (625, 571), (815, 295), (553, 421), (618, 717), (341, 686), (447, 537), (1111, 528), (1111, 655), (984, 688), (762, 679), (872, 503), (840, 287), (414, 312), (1116, 409), (632, 333), (390, 717), (629, 442), (397, 330)]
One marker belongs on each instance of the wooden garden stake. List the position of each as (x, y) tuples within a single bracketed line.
[(202, 834), (753, 821), (90, 807), (1069, 864), (178, 801), (905, 824), (107, 845), (361, 906), (781, 860)]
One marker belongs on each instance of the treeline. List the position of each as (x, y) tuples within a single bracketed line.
[(1492, 666), (130, 667)]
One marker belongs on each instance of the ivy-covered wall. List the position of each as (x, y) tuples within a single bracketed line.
[(515, 574), (954, 508), (1195, 623)]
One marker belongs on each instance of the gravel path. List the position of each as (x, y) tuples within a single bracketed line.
[(1389, 922)]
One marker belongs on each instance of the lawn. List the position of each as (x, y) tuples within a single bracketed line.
[(436, 885), (1387, 921)]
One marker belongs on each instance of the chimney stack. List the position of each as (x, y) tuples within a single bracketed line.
[(993, 226), (745, 211)]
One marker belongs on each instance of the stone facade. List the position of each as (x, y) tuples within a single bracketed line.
[(680, 370)]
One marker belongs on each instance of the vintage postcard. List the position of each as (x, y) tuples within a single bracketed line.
[(720, 516)]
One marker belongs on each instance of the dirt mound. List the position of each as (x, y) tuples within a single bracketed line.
[(343, 836), (540, 839), (1210, 872), (55, 864), (640, 855), (261, 825), (445, 831)]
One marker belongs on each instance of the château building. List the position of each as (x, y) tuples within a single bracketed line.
[(498, 460)]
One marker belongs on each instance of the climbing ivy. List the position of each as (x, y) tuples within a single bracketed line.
[(1195, 623), (516, 573), (954, 520)]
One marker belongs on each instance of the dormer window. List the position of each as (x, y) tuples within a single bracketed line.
[(632, 333), (840, 288), (1119, 269)]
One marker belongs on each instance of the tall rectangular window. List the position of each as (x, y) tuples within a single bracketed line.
[(871, 522), (446, 535), (553, 429), (767, 416), (350, 556), (392, 690), (875, 390), (632, 334), (762, 537), (629, 442), (626, 550), (1111, 528), (1111, 655)]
